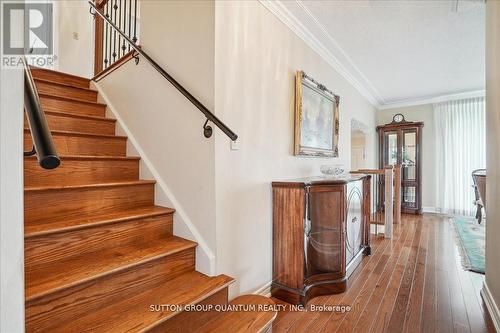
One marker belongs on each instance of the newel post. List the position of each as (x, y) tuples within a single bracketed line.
[(389, 197), (397, 194), (98, 42)]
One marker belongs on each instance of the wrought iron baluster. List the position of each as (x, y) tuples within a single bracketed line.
[(110, 31), (134, 39), (124, 4), (119, 4), (129, 21), (115, 7), (105, 46)]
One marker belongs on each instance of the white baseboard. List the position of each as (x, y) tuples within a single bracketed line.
[(380, 228), (430, 210), (491, 306), (265, 290), (183, 226)]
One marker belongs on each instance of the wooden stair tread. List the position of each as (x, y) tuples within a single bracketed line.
[(65, 89), (58, 73), (243, 321), (83, 186), (69, 99), (72, 271), (79, 116), (132, 313), (90, 157), (67, 85), (66, 224), (88, 135), (67, 121)]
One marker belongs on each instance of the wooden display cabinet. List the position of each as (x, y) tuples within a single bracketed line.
[(400, 142), (320, 233)]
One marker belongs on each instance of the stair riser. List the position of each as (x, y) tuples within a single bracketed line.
[(79, 172), (42, 205), (81, 125), (60, 78), (190, 321), (68, 144), (66, 91), (60, 105), (66, 305), (44, 250)]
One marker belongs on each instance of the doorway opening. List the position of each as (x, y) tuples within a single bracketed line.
[(358, 146)]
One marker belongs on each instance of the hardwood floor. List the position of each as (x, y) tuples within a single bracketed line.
[(412, 283)]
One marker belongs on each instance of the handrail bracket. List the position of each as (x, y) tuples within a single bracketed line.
[(31, 152), (207, 130)]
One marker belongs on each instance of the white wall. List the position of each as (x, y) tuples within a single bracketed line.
[(240, 61), (256, 60), (75, 54), (493, 154), (358, 150), (424, 113), (11, 202), (179, 35)]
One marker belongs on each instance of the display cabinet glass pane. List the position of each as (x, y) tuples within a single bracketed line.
[(409, 196), (354, 230), (324, 234), (391, 143), (409, 163)]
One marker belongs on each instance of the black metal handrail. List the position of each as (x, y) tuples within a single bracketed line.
[(43, 145), (209, 115)]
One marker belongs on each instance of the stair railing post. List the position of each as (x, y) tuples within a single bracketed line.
[(98, 40), (388, 199), (397, 194)]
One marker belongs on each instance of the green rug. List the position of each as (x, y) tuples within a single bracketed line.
[(472, 241)]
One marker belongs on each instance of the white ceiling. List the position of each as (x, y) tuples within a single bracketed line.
[(396, 52)]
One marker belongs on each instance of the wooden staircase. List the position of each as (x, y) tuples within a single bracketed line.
[(99, 255)]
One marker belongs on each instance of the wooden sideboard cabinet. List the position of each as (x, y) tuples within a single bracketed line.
[(320, 233)]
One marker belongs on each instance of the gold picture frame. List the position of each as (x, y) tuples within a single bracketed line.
[(316, 118)]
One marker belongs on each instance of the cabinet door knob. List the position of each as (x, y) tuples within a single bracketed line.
[(354, 219)]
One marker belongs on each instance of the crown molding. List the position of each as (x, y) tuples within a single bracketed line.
[(347, 68), (432, 100), (339, 53), (285, 16)]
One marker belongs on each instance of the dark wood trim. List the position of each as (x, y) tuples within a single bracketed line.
[(396, 126), (114, 66)]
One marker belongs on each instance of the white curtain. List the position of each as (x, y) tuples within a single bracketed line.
[(460, 149)]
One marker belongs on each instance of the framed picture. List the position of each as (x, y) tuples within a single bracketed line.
[(316, 118)]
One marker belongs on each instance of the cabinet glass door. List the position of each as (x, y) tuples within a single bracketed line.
[(409, 194), (323, 234), (390, 148), (409, 158)]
